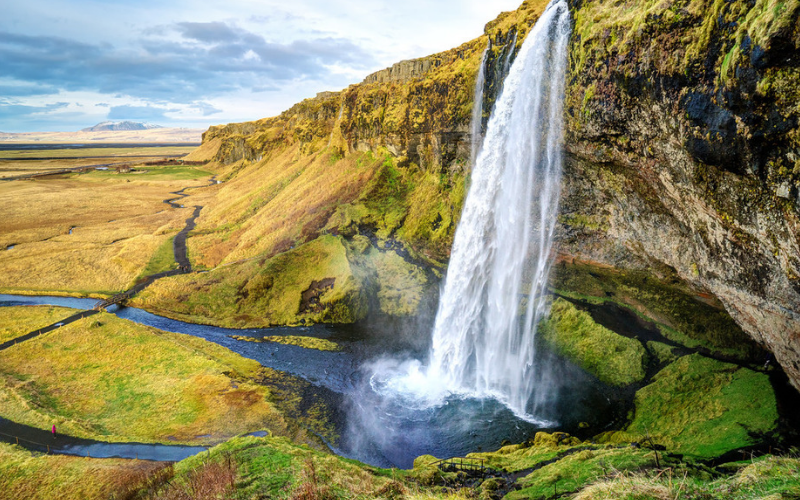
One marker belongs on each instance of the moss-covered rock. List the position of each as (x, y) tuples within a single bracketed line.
[(614, 359), (682, 133), (703, 407)]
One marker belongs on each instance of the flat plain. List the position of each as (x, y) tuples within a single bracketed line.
[(88, 233)]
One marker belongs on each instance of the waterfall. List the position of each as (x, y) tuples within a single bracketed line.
[(477, 107), (494, 292), (507, 62)]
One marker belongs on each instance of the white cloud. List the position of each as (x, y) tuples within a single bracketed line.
[(198, 62)]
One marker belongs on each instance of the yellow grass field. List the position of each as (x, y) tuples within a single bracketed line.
[(17, 321), (13, 168), (106, 378), (271, 205), (117, 223)]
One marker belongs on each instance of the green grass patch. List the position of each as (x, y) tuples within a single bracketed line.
[(35, 476), (705, 408), (573, 472), (304, 342), (768, 477), (149, 173), (614, 359), (274, 467), (102, 152), (162, 260)]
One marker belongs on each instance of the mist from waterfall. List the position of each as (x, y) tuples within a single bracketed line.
[(494, 293)]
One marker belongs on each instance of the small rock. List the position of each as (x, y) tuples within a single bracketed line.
[(784, 191)]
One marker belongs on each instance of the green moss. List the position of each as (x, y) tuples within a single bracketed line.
[(304, 342), (702, 407), (272, 467), (579, 469), (682, 316), (162, 260), (663, 353), (761, 478), (614, 359), (265, 293)]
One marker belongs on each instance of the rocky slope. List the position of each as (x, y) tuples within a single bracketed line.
[(685, 152), (680, 195)]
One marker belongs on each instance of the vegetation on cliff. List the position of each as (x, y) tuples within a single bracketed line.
[(386, 159)]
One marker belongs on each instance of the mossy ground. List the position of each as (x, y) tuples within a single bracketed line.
[(106, 378), (764, 478), (264, 292), (276, 468), (695, 405), (681, 314), (304, 342), (614, 359), (704, 408), (248, 467)]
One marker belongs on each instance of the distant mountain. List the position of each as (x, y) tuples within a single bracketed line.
[(117, 126)]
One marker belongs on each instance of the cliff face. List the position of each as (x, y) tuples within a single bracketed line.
[(684, 150), (680, 194)]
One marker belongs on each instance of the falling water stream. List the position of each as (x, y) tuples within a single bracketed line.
[(476, 130), (494, 294), (501, 253), (483, 380)]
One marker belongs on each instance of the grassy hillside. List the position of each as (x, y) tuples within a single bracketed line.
[(381, 166)]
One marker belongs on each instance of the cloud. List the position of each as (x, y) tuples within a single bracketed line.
[(206, 108), (183, 64), (8, 109), (207, 32), (146, 113)]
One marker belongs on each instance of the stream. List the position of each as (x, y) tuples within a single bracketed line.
[(375, 425)]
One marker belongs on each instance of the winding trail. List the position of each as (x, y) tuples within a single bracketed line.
[(181, 258), (40, 440), (44, 441)]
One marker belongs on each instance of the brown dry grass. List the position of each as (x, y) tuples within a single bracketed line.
[(33, 476), (210, 481), (119, 223), (206, 151), (285, 198)]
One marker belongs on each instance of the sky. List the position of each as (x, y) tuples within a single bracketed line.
[(66, 65)]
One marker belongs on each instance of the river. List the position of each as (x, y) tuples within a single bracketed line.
[(386, 429)]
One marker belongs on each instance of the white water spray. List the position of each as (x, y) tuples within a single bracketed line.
[(493, 299)]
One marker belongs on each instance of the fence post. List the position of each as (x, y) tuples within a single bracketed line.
[(48, 449)]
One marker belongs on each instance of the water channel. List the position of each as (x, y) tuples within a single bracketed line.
[(376, 427)]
